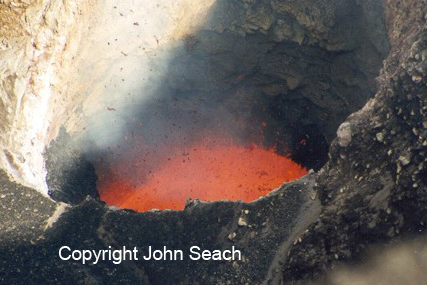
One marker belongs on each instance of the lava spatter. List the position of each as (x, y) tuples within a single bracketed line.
[(202, 170)]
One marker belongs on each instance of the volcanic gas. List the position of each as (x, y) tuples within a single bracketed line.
[(210, 169)]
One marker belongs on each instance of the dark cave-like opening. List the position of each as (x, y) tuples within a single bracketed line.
[(285, 87)]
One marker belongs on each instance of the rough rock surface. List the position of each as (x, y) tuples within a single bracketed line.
[(35, 229), (374, 188), (306, 56), (70, 176), (37, 42), (261, 230), (371, 190), (291, 58)]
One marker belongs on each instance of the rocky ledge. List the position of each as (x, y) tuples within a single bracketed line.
[(371, 191)]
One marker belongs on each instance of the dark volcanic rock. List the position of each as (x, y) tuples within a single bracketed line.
[(32, 230), (70, 177), (261, 230), (374, 188), (315, 59), (298, 67)]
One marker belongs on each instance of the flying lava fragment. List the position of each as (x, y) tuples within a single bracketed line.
[(202, 170)]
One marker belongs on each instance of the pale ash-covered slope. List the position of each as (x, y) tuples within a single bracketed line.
[(37, 42), (56, 57), (368, 195)]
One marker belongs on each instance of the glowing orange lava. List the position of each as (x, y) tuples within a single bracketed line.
[(210, 172)]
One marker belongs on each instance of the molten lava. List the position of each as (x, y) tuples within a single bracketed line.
[(205, 170)]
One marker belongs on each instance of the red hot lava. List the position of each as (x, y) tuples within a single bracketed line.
[(205, 170)]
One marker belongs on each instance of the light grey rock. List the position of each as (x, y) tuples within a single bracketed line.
[(344, 134)]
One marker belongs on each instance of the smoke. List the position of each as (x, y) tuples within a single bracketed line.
[(142, 82), (150, 89), (123, 63)]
